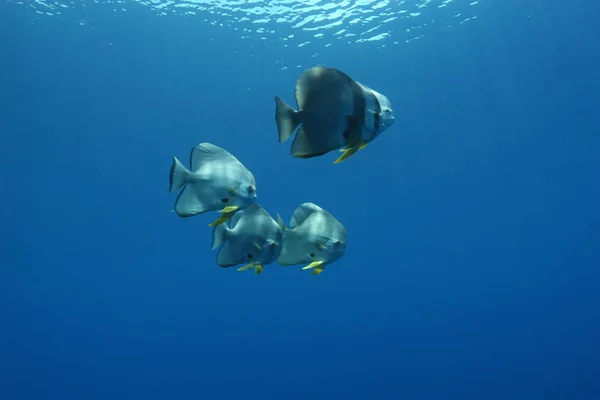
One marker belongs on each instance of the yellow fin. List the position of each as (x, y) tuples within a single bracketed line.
[(257, 268), (220, 220), (313, 264), (225, 216), (317, 271), (350, 151), (246, 267), (347, 153), (229, 209)]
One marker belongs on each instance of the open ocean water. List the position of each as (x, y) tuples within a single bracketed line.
[(472, 269)]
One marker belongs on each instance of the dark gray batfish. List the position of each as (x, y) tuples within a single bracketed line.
[(334, 112), (215, 181), (314, 236)]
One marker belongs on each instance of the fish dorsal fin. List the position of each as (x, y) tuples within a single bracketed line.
[(302, 213), (316, 81), (281, 223), (206, 153), (254, 213)]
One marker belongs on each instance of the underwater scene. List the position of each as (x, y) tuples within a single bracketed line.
[(286, 199)]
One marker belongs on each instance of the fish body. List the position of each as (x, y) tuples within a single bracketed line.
[(215, 181), (334, 112), (314, 236), (253, 238)]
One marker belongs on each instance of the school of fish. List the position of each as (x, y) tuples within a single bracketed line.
[(334, 112)]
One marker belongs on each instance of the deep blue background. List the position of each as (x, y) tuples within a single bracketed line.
[(473, 263)]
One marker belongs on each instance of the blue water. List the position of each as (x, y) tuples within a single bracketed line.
[(473, 261)]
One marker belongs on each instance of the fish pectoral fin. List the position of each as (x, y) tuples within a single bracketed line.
[(317, 271), (258, 269), (313, 264), (256, 245), (320, 246)]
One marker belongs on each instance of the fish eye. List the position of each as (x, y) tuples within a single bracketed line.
[(312, 255), (250, 189), (338, 243), (272, 245), (250, 256), (224, 200)]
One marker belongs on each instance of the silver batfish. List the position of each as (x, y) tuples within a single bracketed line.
[(314, 236), (253, 238), (215, 181)]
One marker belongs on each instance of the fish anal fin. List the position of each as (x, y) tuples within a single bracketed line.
[(315, 144), (317, 271)]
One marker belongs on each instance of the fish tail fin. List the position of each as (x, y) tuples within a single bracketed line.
[(220, 235), (287, 119), (179, 175)]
